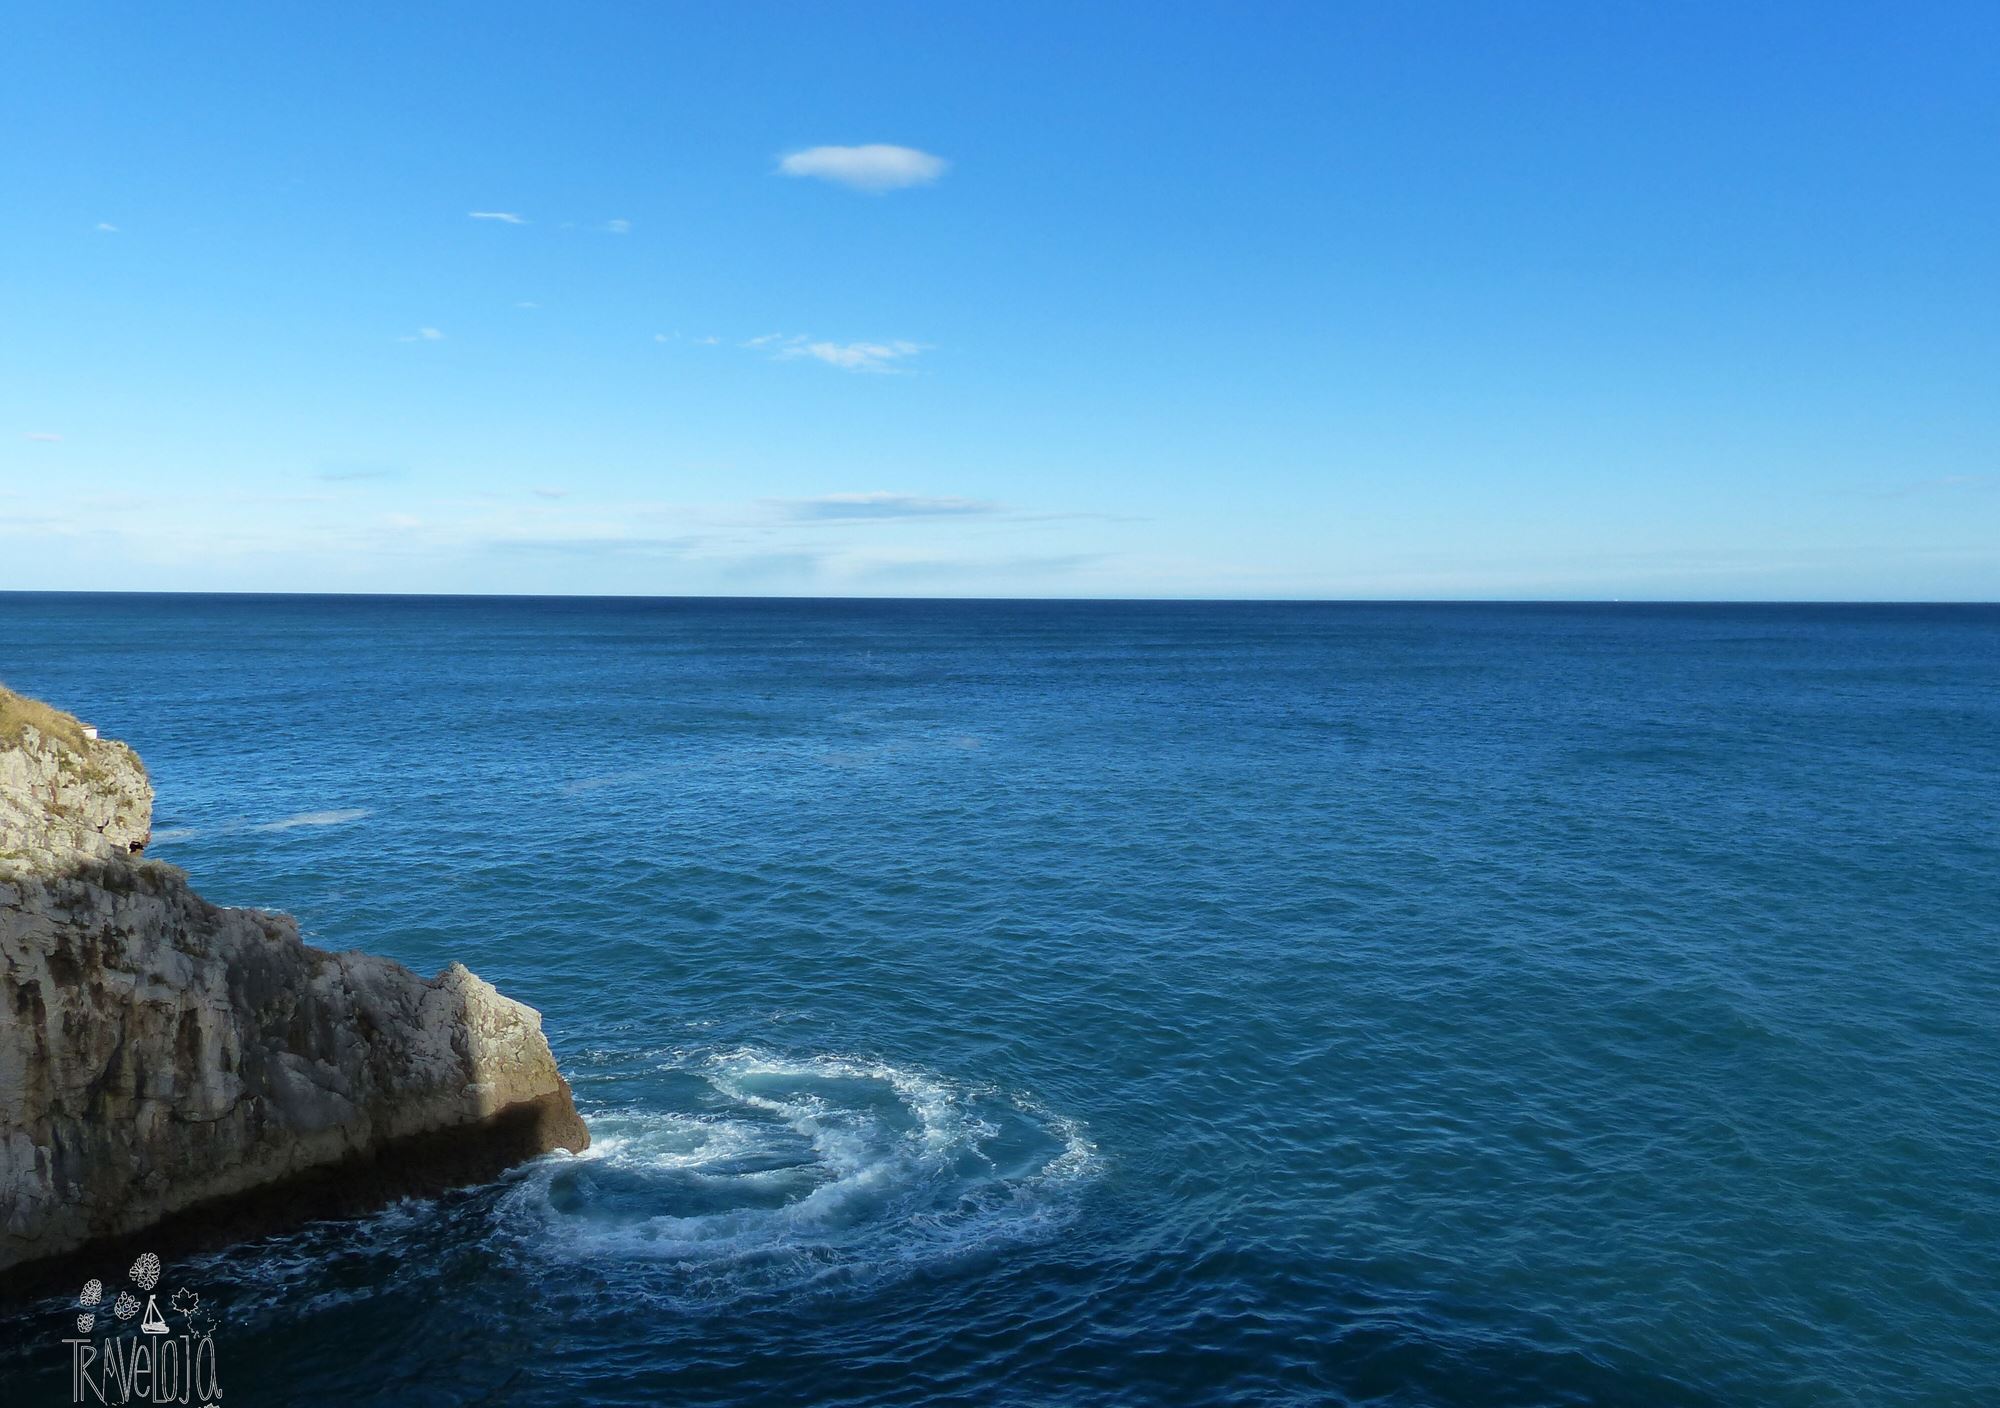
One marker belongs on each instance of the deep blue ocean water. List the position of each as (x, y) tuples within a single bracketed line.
[(1124, 1003)]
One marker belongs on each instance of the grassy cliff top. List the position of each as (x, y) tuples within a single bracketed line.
[(17, 712)]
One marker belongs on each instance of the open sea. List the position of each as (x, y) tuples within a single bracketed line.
[(1122, 1003)]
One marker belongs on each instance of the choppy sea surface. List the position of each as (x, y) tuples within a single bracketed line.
[(1083, 1003)]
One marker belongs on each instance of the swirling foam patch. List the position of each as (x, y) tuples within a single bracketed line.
[(792, 1172)]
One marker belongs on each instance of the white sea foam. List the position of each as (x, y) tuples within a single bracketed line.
[(764, 1174), (338, 817), (800, 1169)]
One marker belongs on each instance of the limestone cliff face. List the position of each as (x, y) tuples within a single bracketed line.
[(159, 1054), (64, 795)]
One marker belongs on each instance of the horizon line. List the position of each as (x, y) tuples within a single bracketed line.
[(1025, 600)]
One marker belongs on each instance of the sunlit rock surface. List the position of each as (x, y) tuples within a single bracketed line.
[(162, 1058)]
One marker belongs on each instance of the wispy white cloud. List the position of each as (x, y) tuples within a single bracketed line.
[(848, 356), (48, 437), (618, 227), (876, 167), (857, 356), (527, 303), (105, 227), (349, 473), (422, 335), (505, 217), (534, 535), (826, 508), (1944, 483), (882, 567)]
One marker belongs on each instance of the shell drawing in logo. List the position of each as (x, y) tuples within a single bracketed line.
[(126, 1306), (93, 1292)]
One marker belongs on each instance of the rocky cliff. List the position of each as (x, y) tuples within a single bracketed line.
[(169, 1064)]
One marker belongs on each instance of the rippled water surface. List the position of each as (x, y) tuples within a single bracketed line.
[(1124, 1004)]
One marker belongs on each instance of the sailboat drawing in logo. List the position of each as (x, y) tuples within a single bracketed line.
[(154, 1323)]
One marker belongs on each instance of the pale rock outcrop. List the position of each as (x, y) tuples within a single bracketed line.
[(64, 795), (159, 1054)]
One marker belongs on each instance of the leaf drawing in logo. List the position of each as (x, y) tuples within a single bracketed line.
[(185, 1301), (85, 1323), (125, 1307), (93, 1292), (146, 1272)]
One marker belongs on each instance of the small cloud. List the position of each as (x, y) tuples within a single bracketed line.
[(848, 356), (709, 341), (550, 493), (47, 437), (873, 168), (105, 227), (949, 568), (1945, 483), (422, 335), (829, 508), (339, 473), (856, 356), (618, 227), (665, 336), (402, 522), (527, 303), (599, 546), (505, 217)]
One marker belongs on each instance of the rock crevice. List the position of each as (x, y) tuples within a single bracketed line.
[(166, 1059)]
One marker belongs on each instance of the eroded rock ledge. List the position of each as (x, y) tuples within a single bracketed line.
[(167, 1061)]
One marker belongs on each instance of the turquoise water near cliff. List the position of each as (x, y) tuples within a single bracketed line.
[(1124, 1003)]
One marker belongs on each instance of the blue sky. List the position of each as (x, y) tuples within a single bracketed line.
[(1358, 300)]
